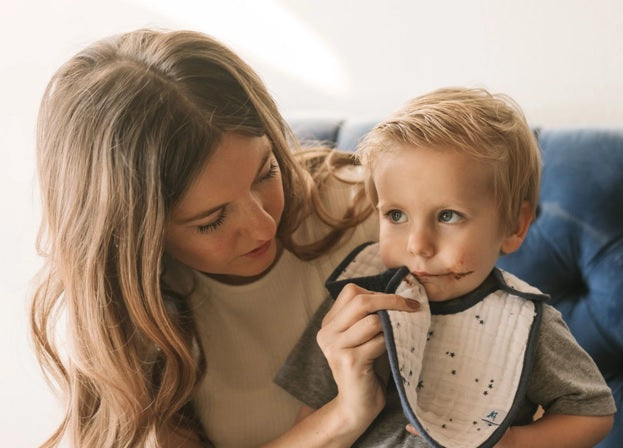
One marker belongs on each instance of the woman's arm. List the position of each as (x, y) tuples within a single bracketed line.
[(351, 338), (569, 431)]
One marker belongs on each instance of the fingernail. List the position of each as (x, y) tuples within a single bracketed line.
[(413, 304)]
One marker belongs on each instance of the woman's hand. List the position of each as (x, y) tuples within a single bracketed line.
[(351, 338)]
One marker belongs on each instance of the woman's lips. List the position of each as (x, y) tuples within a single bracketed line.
[(260, 250)]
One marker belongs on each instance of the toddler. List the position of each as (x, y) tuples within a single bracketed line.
[(455, 176)]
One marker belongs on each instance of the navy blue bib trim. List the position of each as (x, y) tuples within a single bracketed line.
[(376, 282), (389, 280)]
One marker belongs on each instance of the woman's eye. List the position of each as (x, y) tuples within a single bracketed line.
[(205, 228), (450, 217), (273, 169), (396, 216)]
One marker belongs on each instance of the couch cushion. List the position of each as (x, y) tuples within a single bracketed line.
[(574, 249)]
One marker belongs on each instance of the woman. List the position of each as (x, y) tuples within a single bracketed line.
[(186, 246)]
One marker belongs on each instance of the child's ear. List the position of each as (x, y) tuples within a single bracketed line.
[(515, 239)]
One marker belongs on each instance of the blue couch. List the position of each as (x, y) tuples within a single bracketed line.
[(574, 249)]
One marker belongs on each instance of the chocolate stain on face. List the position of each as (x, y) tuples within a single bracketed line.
[(450, 275), (457, 272), (460, 275)]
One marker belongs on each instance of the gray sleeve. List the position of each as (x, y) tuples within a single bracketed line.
[(565, 379), (306, 375), (388, 429)]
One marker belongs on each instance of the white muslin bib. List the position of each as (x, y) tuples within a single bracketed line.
[(460, 366)]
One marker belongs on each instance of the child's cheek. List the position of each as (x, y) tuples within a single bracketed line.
[(459, 265), (388, 255)]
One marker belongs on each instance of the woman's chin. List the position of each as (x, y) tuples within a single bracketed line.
[(257, 264)]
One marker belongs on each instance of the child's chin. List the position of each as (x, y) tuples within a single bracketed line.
[(439, 295), (434, 295)]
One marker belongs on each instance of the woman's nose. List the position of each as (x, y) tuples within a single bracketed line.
[(257, 221)]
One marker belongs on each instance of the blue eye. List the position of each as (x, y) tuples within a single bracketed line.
[(205, 228), (450, 217), (396, 216)]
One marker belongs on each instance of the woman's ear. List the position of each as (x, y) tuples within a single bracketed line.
[(515, 239)]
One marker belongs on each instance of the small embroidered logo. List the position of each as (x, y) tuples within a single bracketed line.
[(494, 417)]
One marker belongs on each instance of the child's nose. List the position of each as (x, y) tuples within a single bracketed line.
[(421, 242)]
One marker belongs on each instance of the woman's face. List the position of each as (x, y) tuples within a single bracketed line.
[(226, 223)]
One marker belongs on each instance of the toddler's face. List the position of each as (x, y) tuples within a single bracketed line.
[(438, 217)]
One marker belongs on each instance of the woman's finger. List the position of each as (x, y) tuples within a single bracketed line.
[(354, 360), (359, 333), (411, 429), (373, 348), (349, 291), (355, 306)]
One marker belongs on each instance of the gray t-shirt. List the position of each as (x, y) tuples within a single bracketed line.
[(564, 380)]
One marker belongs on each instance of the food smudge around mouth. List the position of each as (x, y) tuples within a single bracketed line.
[(460, 275), (454, 275)]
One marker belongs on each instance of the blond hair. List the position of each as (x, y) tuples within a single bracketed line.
[(124, 126), (488, 127)]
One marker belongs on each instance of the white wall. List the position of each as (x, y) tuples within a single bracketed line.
[(563, 61)]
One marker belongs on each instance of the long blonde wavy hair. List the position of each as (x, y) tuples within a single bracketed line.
[(124, 127)]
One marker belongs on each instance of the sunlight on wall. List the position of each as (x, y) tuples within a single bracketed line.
[(274, 36)]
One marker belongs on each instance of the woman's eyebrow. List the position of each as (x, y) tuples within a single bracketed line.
[(205, 213), (263, 163), (202, 214), (268, 153)]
